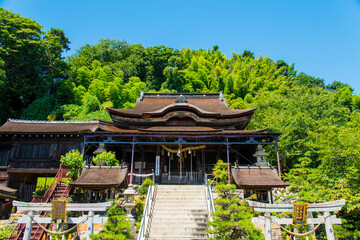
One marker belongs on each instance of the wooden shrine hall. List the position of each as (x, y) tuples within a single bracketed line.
[(178, 135)]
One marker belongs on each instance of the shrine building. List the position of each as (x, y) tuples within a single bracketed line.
[(179, 136)]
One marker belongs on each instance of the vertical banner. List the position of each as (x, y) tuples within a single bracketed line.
[(157, 166)]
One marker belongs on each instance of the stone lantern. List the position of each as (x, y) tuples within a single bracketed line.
[(260, 156), (129, 204)]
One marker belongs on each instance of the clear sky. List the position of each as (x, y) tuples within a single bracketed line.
[(321, 37)]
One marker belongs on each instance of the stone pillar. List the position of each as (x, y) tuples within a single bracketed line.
[(28, 227), (267, 232), (90, 225), (328, 226)]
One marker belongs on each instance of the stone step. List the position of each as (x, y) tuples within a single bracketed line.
[(179, 198), (177, 233), (188, 220), (177, 238), (181, 207), (178, 230), (182, 223), (179, 211)]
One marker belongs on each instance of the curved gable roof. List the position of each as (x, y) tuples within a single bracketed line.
[(208, 103)]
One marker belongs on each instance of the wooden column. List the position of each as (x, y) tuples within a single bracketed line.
[(278, 158), (132, 160), (202, 165), (157, 178)]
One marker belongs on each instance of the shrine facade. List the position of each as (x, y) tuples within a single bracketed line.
[(179, 136)]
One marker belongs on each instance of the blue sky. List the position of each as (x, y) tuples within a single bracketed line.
[(321, 37)]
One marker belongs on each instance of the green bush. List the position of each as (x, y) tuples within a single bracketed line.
[(105, 159), (6, 230), (143, 189), (116, 227), (74, 160), (232, 216)]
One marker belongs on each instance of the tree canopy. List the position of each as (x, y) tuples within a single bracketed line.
[(319, 145)]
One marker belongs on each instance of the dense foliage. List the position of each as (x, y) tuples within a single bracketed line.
[(116, 227), (75, 161), (319, 145), (232, 218), (31, 67), (106, 159)]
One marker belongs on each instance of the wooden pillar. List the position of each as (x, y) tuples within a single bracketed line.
[(157, 177), (28, 227), (328, 226), (267, 232), (123, 155), (132, 160), (278, 157), (142, 148), (228, 159), (202, 172)]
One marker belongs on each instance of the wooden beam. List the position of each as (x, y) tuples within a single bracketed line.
[(287, 221)]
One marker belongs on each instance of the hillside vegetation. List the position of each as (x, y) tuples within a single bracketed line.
[(320, 124)]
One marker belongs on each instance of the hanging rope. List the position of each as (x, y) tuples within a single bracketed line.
[(299, 234), (59, 233), (183, 149), (142, 175)]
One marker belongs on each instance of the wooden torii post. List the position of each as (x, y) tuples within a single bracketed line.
[(27, 218), (326, 208)]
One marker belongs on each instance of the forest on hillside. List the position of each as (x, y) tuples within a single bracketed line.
[(320, 124)]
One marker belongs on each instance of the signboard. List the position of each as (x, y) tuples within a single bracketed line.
[(138, 165), (58, 210), (157, 166), (300, 214)]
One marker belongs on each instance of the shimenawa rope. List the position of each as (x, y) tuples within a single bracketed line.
[(59, 233), (299, 234)]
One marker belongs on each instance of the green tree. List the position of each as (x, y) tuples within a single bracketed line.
[(116, 227), (106, 159), (232, 218), (30, 58), (73, 160)]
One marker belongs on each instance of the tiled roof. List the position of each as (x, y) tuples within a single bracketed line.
[(256, 177), (26, 126), (206, 104), (7, 192)]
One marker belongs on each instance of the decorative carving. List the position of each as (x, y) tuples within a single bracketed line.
[(181, 99)]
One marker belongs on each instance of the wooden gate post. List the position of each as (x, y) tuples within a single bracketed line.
[(267, 226), (328, 226), (28, 227)]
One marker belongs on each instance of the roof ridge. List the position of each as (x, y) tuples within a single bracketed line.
[(47, 122)]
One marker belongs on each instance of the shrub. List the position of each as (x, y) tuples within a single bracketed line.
[(116, 227), (106, 159), (73, 160), (232, 216)]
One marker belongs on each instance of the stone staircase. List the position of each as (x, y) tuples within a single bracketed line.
[(180, 212)]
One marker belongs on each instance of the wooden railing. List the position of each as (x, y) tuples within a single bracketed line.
[(57, 180)]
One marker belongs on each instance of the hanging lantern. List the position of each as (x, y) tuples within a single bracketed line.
[(101, 149), (260, 156)]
